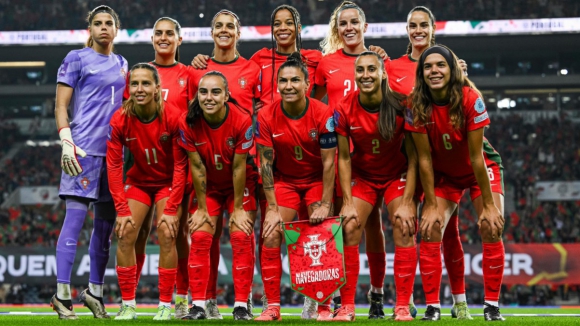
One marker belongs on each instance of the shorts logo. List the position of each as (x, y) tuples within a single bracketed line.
[(330, 124), (313, 133), (181, 82), (479, 106), (127, 187), (249, 133), (230, 142), (481, 118), (85, 183), (243, 82), (164, 137), (353, 183)]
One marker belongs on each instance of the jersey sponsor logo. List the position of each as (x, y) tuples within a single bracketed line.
[(400, 187), (354, 128), (127, 187), (399, 79), (479, 106), (330, 124), (313, 133), (247, 145), (71, 243), (85, 182), (199, 144), (231, 142), (333, 71), (249, 133), (181, 82), (164, 137), (481, 118), (266, 66), (242, 82), (277, 135)]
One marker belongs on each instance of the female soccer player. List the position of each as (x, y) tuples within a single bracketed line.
[(91, 81), (177, 91), (373, 119), (299, 132), (335, 77), (155, 184), (217, 136), (421, 32), (448, 119)]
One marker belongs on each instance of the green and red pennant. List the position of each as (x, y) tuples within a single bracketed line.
[(316, 257)]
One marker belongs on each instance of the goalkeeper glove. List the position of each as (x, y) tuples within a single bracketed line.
[(68, 160)]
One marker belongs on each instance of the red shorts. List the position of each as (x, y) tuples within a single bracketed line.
[(147, 195), (452, 188), (292, 195), (218, 200), (372, 191)]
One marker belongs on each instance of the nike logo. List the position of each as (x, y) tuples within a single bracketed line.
[(198, 144), (70, 243), (353, 128), (130, 139), (195, 266), (431, 272), (399, 79), (494, 267), (277, 135), (93, 71), (266, 66), (238, 268), (457, 260), (400, 187), (269, 278), (333, 71), (106, 249), (493, 184), (404, 275), (247, 201)]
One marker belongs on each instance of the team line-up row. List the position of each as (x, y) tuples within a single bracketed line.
[(182, 143)]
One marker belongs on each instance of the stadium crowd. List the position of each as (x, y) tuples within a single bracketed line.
[(50, 15)]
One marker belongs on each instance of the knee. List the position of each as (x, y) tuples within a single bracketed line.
[(487, 234), (273, 240), (435, 234), (166, 241), (126, 243), (352, 235)]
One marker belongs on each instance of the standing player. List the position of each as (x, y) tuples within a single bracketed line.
[(177, 91), (448, 120), (91, 83), (421, 32), (372, 119), (155, 184), (297, 146), (335, 77), (217, 136)]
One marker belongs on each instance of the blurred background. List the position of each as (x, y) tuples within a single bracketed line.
[(528, 69)]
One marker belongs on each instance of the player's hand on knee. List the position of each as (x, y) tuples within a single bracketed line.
[(348, 213), (123, 223), (429, 221), (68, 160), (241, 219), (272, 221), (172, 223), (198, 219), (406, 216), (320, 212), (493, 216)]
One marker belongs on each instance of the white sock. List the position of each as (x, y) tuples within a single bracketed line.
[(240, 304), (411, 301), (96, 290), (63, 291), (493, 303), (182, 296), (199, 303), (164, 304), (459, 298), (376, 290), (131, 303), (435, 305)]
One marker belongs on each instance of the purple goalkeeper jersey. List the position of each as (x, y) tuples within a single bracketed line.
[(98, 82)]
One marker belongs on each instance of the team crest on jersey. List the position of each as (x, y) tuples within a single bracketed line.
[(85, 182), (181, 82), (243, 82), (123, 73), (230, 142), (479, 105), (164, 137), (313, 133)]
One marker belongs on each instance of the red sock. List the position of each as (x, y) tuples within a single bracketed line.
[(253, 252), (127, 281), (140, 262), (493, 265), (377, 266), (242, 268), (210, 293), (431, 269), (405, 267), (351, 265), (453, 256), (182, 278), (271, 274), (166, 282), (199, 264)]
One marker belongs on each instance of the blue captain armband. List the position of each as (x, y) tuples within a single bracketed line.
[(328, 140)]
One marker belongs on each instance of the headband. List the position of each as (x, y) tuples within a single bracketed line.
[(442, 51), (227, 12), (102, 9)]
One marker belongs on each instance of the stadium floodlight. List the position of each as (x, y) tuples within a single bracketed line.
[(22, 64), (564, 72)]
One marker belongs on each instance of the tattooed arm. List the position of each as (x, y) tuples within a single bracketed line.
[(273, 217), (200, 217)]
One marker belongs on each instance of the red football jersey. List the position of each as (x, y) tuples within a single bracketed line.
[(264, 59), (373, 157), (336, 73), (295, 140), (158, 160), (176, 88), (217, 145), (243, 80), (449, 146), (402, 73)]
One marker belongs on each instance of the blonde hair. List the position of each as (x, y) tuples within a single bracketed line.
[(129, 105), (333, 42)]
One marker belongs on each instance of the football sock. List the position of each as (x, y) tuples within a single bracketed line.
[(493, 265), (100, 244), (242, 268), (63, 291), (66, 247), (351, 264), (96, 290), (182, 278), (453, 256), (140, 258), (271, 274), (405, 267), (431, 269), (377, 267), (199, 264), (166, 282), (127, 282)]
